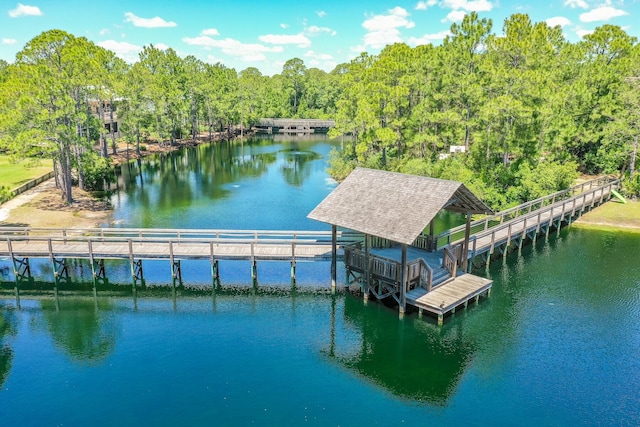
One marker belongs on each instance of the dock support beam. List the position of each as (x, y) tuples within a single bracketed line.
[(215, 268), (465, 248), (334, 257), (293, 266), (403, 281), (367, 277), (254, 268)]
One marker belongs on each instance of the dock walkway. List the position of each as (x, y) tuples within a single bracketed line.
[(435, 281)]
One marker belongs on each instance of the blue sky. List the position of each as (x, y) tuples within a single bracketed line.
[(265, 34)]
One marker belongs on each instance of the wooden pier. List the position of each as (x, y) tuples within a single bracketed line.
[(431, 273)]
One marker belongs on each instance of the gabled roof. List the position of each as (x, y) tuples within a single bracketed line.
[(392, 205)]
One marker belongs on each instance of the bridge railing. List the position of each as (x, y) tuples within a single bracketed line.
[(535, 219), (178, 235), (457, 233)]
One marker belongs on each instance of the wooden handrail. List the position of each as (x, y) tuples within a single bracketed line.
[(483, 224)]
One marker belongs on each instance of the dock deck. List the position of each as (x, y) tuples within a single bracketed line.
[(447, 294), (450, 295)]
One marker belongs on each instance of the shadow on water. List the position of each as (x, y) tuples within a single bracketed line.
[(407, 357)]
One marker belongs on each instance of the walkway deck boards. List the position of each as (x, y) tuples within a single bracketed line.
[(447, 297), (155, 250)]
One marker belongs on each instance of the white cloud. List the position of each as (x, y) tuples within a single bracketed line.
[(454, 16), (235, 48), (320, 56), (602, 14), (284, 26), (384, 29), (125, 50), (583, 33), (104, 32), (321, 13), (397, 18), (314, 30), (358, 49), (9, 41), (209, 32), (161, 46), (558, 20), (428, 38), (576, 4), (298, 39), (468, 5), (155, 22), (25, 10), (423, 5)]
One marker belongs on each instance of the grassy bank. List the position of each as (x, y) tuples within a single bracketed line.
[(613, 215), (15, 174)]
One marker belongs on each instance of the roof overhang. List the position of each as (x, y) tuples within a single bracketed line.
[(392, 205)]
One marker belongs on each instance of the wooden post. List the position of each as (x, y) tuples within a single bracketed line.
[(293, 265), (15, 273), (254, 268), (365, 285), (215, 274), (403, 280), (334, 257), (465, 248)]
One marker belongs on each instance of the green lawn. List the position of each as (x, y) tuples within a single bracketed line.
[(15, 174)]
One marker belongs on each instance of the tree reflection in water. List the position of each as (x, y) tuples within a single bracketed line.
[(405, 357), (7, 330), (84, 331)]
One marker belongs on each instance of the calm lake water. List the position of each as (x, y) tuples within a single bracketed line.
[(557, 343)]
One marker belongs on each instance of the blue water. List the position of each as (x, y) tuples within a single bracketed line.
[(557, 343)]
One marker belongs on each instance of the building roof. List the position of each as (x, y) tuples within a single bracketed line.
[(392, 205)]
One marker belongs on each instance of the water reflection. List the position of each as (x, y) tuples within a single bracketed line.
[(223, 185), (406, 357), (296, 167), (7, 331), (83, 328)]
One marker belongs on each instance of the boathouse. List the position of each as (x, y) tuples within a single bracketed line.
[(393, 210)]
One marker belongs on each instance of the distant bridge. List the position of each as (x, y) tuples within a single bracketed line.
[(293, 126)]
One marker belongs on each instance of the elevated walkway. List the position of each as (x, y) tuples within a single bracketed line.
[(293, 126)]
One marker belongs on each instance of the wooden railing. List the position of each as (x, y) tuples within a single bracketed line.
[(419, 274), (450, 262), (178, 235), (389, 270), (518, 226), (486, 223)]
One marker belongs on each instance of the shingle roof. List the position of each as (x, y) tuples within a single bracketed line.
[(392, 205)]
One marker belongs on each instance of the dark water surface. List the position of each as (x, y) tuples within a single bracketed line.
[(557, 343)]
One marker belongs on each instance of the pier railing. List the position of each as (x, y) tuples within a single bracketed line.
[(519, 227), (481, 225), (388, 270), (178, 235)]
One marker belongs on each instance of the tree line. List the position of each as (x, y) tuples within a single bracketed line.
[(528, 109)]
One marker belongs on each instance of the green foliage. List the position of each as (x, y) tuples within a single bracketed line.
[(531, 183), (5, 194), (631, 185), (528, 106), (339, 166), (96, 170)]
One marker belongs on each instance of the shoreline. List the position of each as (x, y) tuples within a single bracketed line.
[(43, 207)]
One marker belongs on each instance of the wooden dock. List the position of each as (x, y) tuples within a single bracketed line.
[(434, 280), (451, 295)]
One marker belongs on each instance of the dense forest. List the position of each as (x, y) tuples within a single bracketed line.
[(526, 110)]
